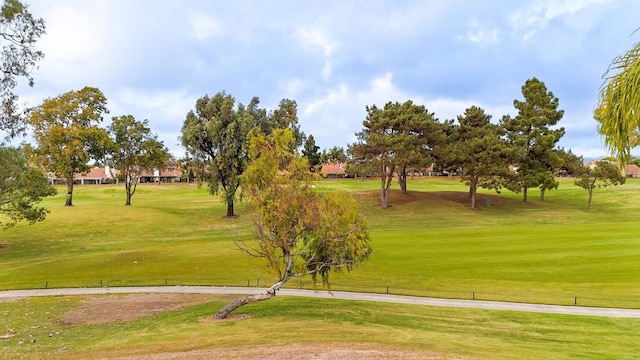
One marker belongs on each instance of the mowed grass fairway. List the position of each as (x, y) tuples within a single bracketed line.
[(428, 243)]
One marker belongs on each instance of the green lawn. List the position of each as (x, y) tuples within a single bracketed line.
[(427, 243), (318, 323)]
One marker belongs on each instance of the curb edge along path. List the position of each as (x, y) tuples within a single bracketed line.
[(398, 299)]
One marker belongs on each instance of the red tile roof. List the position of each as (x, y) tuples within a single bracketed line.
[(333, 169)]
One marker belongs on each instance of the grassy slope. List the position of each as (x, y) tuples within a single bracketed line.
[(478, 334), (425, 244), (541, 252)]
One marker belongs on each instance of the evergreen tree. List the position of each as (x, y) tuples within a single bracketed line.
[(533, 134)]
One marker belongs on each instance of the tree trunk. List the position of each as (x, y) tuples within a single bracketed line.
[(542, 194), (230, 212), (590, 198), (383, 192), (402, 179), (524, 194), (386, 185), (473, 188), (69, 200), (127, 187), (229, 308)]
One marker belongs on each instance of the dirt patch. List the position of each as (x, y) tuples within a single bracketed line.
[(460, 197), (103, 309), (4, 246), (296, 351)]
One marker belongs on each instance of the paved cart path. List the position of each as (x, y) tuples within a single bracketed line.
[(398, 299)]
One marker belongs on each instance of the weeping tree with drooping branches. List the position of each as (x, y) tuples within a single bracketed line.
[(299, 231), (618, 111)]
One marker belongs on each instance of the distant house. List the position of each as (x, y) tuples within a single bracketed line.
[(334, 170), (632, 171), (171, 174), (95, 176), (592, 164)]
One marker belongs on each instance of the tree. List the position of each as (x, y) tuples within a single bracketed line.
[(531, 132), (619, 105), (21, 188), (310, 152), (286, 116), (19, 31), (572, 165), (135, 149), (481, 152), (67, 134), (333, 155), (299, 232), (394, 138), (418, 134), (217, 131), (375, 146), (603, 175)]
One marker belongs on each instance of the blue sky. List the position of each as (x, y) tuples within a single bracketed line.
[(154, 58)]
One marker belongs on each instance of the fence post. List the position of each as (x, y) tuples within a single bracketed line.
[(165, 282), (248, 283), (100, 282), (575, 300), (473, 295), (46, 285), (258, 282), (387, 289)]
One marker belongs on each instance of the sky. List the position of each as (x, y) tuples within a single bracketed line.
[(154, 58)]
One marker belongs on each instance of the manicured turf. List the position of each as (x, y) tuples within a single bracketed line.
[(481, 334), (428, 243)]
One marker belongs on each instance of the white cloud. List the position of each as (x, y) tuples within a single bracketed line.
[(315, 38), (204, 27), (480, 34), (160, 107), (527, 22)]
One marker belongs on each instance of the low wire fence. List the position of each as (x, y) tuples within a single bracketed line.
[(550, 297)]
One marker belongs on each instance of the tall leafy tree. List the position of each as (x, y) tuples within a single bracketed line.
[(286, 117), (19, 31), (418, 134), (446, 155), (67, 133), (572, 164), (310, 152), (375, 146), (482, 153), (21, 188), (603, 175), (334, 154), (135, 149), (299, 232), (217, 131), (534, 134), (394, 138), (619, 105)]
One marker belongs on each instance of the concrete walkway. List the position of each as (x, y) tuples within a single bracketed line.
[(398, 299)]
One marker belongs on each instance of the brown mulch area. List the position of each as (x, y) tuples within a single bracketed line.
[(103, 309), (396, 197)]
